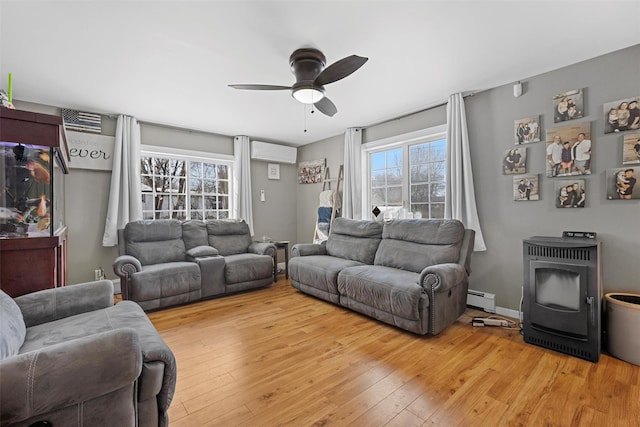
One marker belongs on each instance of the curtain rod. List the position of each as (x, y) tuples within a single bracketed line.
[(416, 112)]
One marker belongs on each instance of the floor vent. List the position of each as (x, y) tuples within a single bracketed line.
[(481, 300)]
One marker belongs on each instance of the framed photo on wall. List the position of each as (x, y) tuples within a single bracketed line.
[(311, 172), (273, 171), (514, 161), (631, 149), (569, 150), (568, 106), (622, 115), (622, 183), (570, 193), (526, 188), (527, 130)]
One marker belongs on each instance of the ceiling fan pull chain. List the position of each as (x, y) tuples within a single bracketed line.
[(305, 117)]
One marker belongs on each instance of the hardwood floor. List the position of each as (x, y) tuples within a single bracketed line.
[(279, 357)]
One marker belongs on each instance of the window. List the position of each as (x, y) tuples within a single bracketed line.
[(185, 185), (406, 174)]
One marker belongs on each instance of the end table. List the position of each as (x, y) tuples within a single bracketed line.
[(284, 244)]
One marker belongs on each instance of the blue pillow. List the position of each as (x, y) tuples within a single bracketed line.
[(12, 327)]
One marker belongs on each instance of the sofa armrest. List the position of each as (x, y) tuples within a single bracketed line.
[(262, 248), (65, 374), (154, 349), (446, 285), (201, 252), (52, 304), (442, 277), (305, 249), (126, 266)]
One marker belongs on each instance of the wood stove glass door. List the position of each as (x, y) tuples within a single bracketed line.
[(558, 297)]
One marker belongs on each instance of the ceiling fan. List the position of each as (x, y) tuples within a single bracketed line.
[(307, 64)]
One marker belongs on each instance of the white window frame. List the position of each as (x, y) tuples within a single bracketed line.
[(404, 140), (198, 156)]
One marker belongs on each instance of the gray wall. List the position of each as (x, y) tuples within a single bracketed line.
[(87, 191), (505, 223)]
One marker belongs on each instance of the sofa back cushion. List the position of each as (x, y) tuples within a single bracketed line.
[(194, 234), (354, 240), (155, 241), (414, 244), (229, 236), (12, 327)]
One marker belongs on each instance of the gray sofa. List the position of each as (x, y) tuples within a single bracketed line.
[(411, 273), (71, 357), (169, 262)]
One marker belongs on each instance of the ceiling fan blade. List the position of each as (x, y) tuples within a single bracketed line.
[(326, 107), (260, 87), (340, 69)]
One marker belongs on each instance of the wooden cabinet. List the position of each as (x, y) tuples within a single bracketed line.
[(32, 264), (33, 235)]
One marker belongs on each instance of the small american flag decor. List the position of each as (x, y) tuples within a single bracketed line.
[(79, 120)]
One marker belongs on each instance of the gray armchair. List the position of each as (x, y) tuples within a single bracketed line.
[(71, 357)]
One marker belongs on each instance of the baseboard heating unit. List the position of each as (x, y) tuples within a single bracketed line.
[(481, 300)]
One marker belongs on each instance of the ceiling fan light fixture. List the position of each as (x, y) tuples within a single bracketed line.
[(308, 95)]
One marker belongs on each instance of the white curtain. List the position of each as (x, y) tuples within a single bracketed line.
[(125, 196), (352, 190), (242, 179), (461, 199)]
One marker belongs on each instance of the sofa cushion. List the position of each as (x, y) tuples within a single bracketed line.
[(12, 327), (155, 241), (166, 280), (354, 240), (390, 290), (194, 233), (414, 244), (246, 267), (319, 271), (229, 236)]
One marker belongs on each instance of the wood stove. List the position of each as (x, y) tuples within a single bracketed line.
[(562, 295)]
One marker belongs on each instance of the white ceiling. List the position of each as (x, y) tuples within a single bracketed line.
[(169, 62)]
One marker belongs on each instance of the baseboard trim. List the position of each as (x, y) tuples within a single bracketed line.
[(508, 312)]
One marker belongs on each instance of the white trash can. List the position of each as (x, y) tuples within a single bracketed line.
[(623, 326)]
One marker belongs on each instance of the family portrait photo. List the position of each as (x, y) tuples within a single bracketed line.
[(526, 188), (514, 161), (527, 130), (622, 115), (621, 184), (568, 106), (631, 149), (569, 150), (570, 193), (310, 172)]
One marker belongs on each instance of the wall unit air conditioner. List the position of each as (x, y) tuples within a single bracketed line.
[(273, 152)]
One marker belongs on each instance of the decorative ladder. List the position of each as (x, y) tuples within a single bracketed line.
[(326, 185)]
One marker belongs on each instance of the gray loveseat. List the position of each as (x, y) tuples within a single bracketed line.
[(168, 262), (71, 357), (409, 273)]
